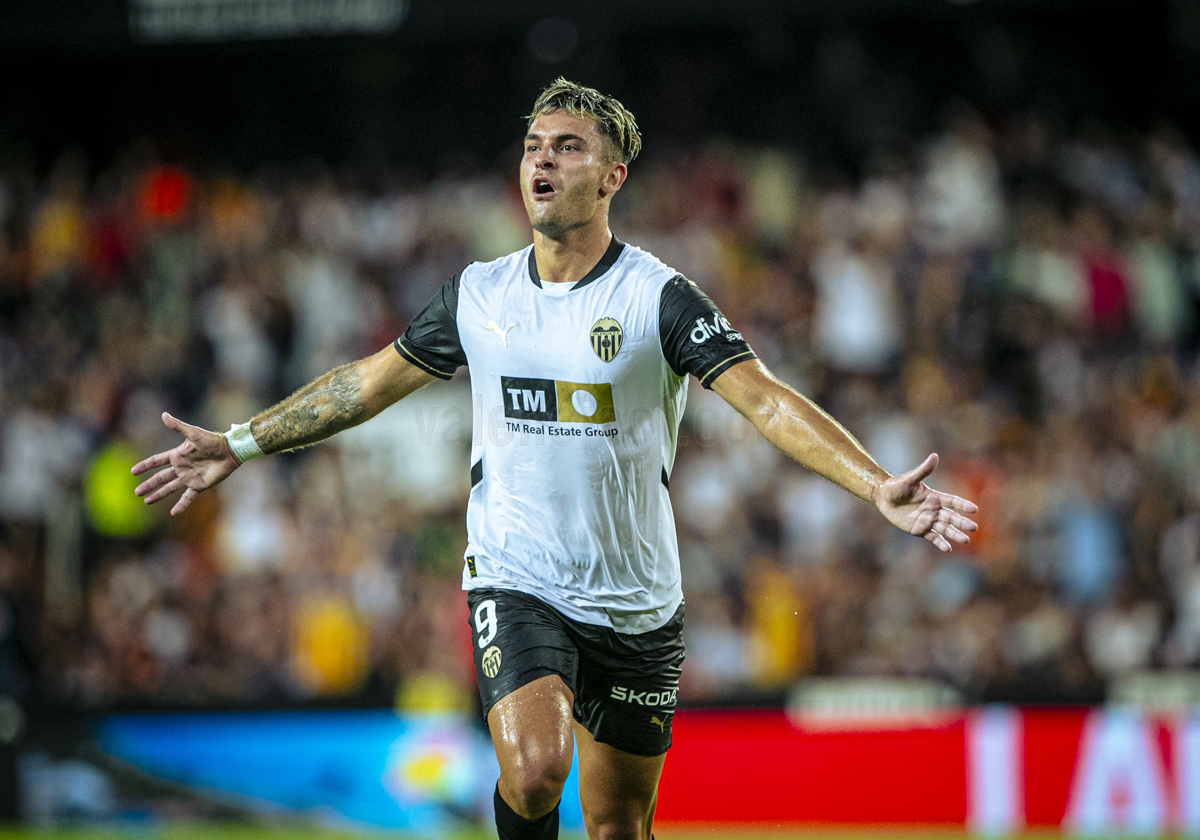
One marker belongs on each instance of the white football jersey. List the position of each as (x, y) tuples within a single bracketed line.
[(578, 393)]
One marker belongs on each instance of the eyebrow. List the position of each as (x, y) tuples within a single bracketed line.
[(558, 137)]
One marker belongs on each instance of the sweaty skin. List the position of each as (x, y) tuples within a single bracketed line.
[(328, 405), (344, 397), (531, 732), (799, 428), (570, 224)]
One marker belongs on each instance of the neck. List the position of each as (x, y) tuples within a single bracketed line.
[(567, 258)]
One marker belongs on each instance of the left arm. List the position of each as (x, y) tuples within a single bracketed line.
[(800, 429)]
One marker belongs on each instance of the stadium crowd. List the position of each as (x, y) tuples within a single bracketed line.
[(1019, 298)]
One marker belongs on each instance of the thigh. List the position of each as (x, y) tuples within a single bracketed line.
[(627, 686), (532, 733), (618, 790), (517, 639)]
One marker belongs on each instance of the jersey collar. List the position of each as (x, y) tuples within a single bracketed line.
[(598, 270)]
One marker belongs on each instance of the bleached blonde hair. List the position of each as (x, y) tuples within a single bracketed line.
[(612, 118)]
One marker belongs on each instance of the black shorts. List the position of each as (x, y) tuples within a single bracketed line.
[(625, 685)]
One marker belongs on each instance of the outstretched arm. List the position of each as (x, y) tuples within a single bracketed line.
[(344, 397), (799, 428)]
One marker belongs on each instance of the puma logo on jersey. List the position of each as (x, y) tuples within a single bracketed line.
[(503, 333), (661, 723), (703, 330)]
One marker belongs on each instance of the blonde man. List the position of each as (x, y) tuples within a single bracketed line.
[(581, 346)]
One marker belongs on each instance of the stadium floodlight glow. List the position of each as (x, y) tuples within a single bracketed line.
[(159, 21), (554, 39)]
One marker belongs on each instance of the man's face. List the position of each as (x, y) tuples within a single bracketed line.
[(566, 172)]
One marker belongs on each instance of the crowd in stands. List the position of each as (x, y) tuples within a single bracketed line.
[(1020, 298)]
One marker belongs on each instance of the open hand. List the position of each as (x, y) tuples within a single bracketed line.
[(203, 460), (911, 506)]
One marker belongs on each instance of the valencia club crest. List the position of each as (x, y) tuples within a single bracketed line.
[(606, 338)]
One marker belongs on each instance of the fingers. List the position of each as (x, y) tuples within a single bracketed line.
[(154, 482), (945, 529), (916, 476), (952, 526), (952, 534), (957, 503), (177, 425), (940, 519), (944, 536), (940, 541), (152, 463), (949, 517), (164, 458), (162, 492), (159, 486), (184, 501), (168, 481), (163, 484)]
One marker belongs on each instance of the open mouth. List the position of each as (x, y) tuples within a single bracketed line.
[(542, 187)]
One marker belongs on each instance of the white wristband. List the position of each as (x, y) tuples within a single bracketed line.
[(242, 443)]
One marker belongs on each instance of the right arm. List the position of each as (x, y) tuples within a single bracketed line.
[(346, 396), (342, 398)]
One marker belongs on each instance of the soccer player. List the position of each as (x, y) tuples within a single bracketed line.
[(579, 348)]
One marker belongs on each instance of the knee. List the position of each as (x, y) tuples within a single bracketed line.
[(619, 829), (623, 820), (533, 785)]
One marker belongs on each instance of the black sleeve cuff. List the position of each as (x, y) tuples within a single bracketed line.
[(707, 379), (411, 353)]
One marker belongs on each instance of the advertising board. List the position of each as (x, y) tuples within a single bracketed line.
[(992, 771), (995, 770), (410, 773)]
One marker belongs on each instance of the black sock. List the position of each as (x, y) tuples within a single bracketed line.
[(512, 826)]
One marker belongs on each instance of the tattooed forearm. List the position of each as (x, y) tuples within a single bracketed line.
[(319, 410)]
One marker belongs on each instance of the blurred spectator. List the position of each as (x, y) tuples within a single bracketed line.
[(857, 321), (43, 454), (1021, 300), (1104, 272), (961, 207), (1043, 267), (1163, 310), (57, 231), (1122, 641)]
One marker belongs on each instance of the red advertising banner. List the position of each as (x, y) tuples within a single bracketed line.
[(995, 770)]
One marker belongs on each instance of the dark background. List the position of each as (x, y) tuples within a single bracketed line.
[(836, 79), (140, 224)]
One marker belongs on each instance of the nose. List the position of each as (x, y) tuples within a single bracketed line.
[(544, 159)]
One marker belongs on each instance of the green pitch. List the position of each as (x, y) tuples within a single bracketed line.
[(199, 832), (202, 832)]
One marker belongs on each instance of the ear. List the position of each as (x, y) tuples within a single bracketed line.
[(613, 179)]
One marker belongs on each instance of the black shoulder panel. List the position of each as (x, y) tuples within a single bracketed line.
[(696, 337), (431, 341)]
